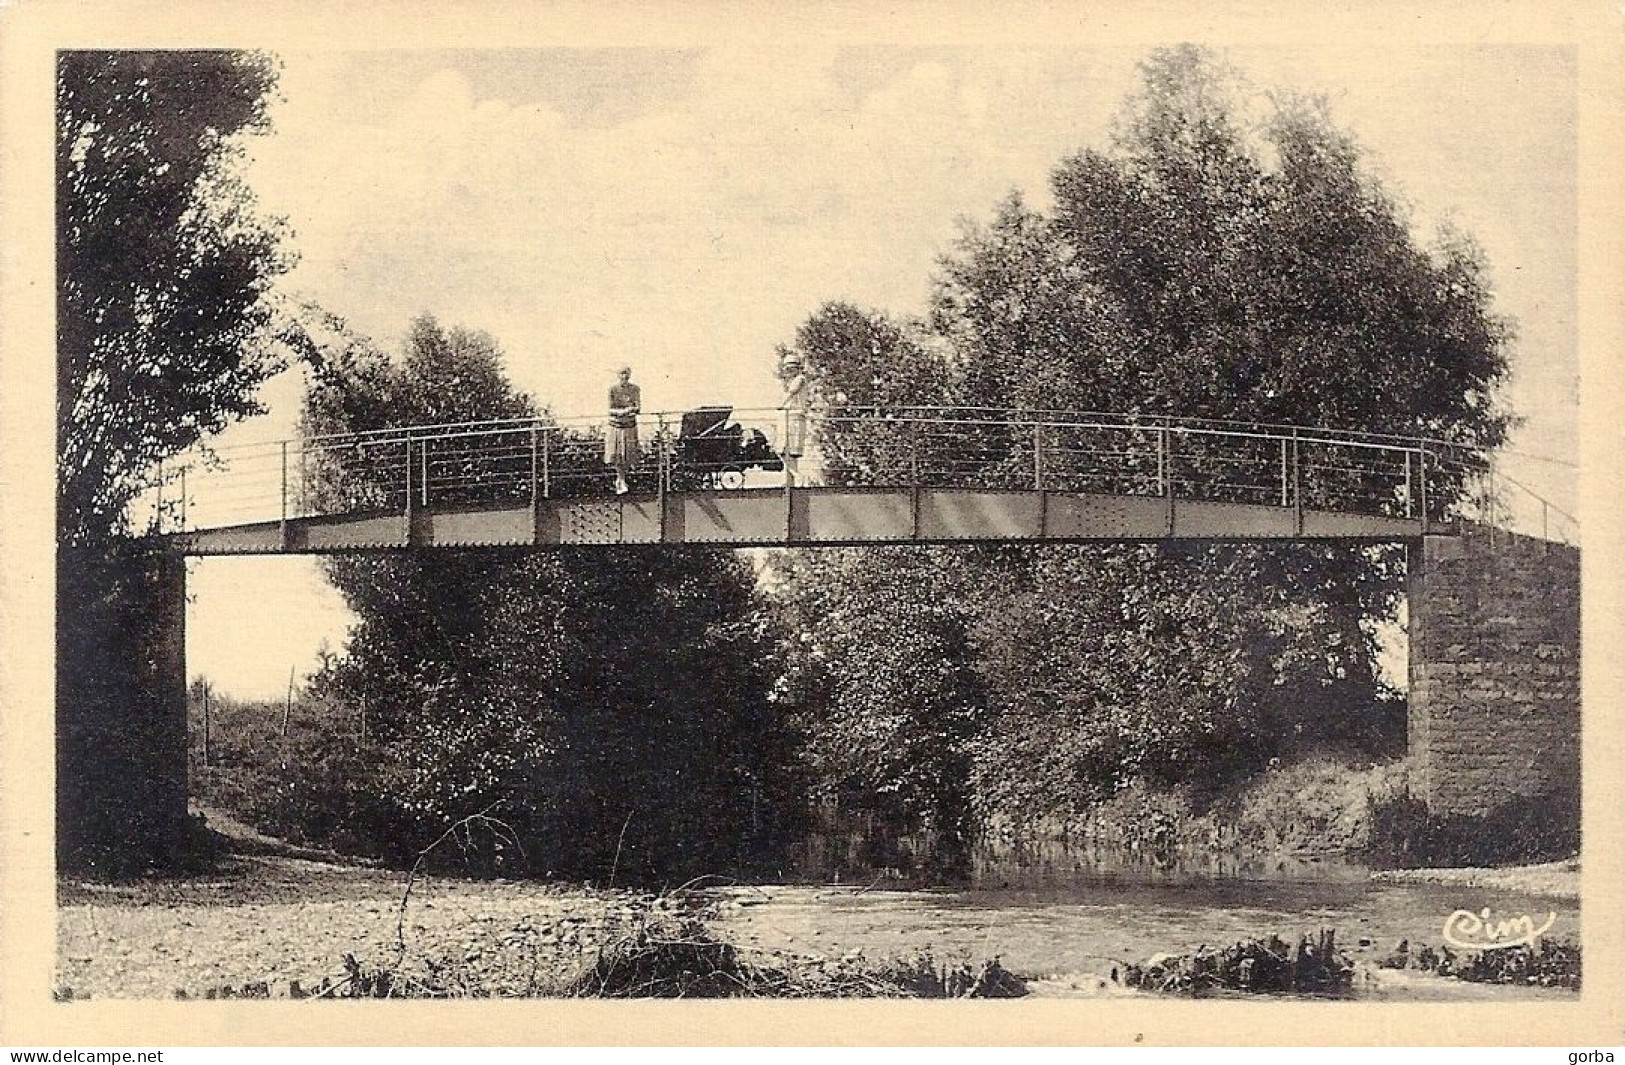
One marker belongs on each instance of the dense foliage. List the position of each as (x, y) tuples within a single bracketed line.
[(1201, 265), (615, 704), (882, 672), (164, 329)]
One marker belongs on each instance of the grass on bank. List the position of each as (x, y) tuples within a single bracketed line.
[(1319, 806)]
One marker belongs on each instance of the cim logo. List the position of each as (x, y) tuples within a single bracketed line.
[(1475, 931)]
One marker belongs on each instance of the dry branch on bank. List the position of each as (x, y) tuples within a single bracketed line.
[(673, 955), (1548, 963), (1312, 967)]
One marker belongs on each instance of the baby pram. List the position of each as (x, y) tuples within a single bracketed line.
[(714, 452)]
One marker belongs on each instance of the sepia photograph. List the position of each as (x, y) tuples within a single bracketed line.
[(818, 518)]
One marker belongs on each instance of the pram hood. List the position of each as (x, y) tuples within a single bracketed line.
[(702, 422)]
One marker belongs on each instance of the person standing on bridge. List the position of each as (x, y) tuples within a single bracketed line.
[(796, 403), (621, 435)]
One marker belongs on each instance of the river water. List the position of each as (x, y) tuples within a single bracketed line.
[(1067, 924)]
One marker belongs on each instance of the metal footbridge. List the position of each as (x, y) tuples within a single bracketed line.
[(885, 475)]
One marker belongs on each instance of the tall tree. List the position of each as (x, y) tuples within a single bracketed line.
[(164, 333), (617, 704), (163, 266), (1258, 272), (1201, 264)]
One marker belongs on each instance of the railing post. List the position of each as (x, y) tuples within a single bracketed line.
[(1297, 479), (662, 459), (534, 461), (423, 472), (914, 453), (790, 477), (284, 482), (1165, 460), (1038, 456), (408, 442), (1422, 485), (183, 499), (1162, 462), (158, 507), (784, 449), (1283, 472), (547, 473), (1409, 508), (662, 474)]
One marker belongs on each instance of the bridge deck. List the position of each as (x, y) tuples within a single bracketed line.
[(819, 476), (799, 517)]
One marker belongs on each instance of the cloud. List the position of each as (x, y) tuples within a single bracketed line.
[(690, 237)]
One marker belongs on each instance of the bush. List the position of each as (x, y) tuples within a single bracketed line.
[(1259, 966), (1319, 806), (1541, 828), (1546, 963), (668, 953), (1315, 806)]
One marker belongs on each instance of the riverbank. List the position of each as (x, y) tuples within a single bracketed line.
[(279, 920), (274, 921), (1319, 807), (275, 926), (1557, 880), (1316, 813), (1066, 937)]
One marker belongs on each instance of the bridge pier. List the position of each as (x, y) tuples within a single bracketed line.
[(1494, 670), (121, 710)]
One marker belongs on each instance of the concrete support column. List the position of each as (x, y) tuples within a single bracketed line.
[(1494, 669), (121, 710)]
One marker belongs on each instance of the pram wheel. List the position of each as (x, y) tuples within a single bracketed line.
[(731, 478)]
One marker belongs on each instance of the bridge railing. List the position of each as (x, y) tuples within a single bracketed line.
[(1222, 462), (529, 459), (1499, 501)]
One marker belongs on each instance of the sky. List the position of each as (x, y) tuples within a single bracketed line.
[(682, 211)]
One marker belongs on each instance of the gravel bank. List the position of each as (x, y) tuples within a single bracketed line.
[(1558, 880), (277, 919)]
